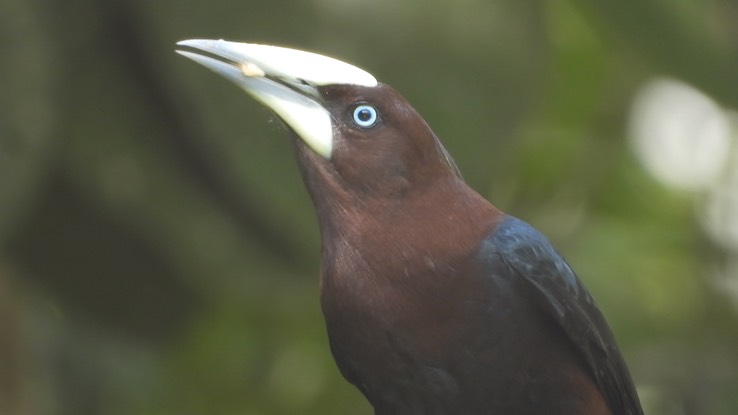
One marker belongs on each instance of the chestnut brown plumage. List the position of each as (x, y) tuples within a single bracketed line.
[(435, 301)]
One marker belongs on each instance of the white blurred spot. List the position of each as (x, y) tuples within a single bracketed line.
[(680, 135), (719, 214)]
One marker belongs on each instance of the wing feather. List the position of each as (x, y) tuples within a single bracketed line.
[(559, 293)]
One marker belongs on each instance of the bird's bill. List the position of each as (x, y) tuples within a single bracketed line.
[(285, 80)]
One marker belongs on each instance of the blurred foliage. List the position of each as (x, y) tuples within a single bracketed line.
[(158, 254)]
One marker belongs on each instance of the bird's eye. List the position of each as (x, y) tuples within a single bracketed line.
[(365, 116)]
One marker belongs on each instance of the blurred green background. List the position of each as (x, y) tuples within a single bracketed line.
[(158, 254)]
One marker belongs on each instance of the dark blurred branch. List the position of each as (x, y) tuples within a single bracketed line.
[(126, 33), (103, 272)]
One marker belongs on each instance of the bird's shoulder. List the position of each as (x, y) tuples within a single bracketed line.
[(528, 256), (527, 252)]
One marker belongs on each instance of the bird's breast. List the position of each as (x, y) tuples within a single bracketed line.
[(401, 278), (396, 329)]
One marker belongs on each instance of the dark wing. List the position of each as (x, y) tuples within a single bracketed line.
[(561, 294)]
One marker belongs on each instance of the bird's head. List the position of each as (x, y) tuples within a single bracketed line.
[(358, 138)]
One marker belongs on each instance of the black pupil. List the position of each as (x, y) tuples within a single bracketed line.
[(365, 114)]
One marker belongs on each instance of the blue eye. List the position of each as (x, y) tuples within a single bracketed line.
[(365, 116)]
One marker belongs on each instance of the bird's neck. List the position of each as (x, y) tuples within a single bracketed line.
[(443, 218), (377, 248)]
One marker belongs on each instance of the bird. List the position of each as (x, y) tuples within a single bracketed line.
[(435, 301)]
